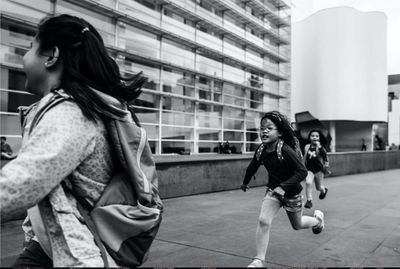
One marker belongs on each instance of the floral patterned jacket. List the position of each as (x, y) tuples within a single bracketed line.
[(63, 146)]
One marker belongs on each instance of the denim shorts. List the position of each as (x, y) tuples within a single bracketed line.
[(291, 204)]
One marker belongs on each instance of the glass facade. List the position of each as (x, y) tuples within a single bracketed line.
[(214, 67)]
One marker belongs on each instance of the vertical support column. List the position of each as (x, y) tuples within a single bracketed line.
[(332, 131), (53, 6), (161, 82)]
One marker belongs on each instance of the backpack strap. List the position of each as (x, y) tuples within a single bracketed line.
[(84, 209), (260, 150), (279, 150), (57, 98)]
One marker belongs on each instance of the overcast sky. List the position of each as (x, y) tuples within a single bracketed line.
[(301, 9)]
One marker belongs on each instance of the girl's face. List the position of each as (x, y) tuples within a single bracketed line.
[(314, 137), (35, 69), (268, 132)]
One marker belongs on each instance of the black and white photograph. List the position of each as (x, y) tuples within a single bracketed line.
[(200, 133)]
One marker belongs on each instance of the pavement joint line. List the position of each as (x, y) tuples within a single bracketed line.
[(219, 251), (345, 229)]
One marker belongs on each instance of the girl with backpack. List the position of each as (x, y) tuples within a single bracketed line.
[(317, 164), (284, 177), (68, 145)]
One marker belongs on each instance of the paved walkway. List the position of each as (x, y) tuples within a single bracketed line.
[(218, 229)]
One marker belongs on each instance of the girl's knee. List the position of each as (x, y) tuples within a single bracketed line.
[(264, 223), (296, 226)]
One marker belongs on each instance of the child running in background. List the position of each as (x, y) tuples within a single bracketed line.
[(316, 162), (283, 188)]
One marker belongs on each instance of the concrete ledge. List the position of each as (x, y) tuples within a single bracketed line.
[(195, 174)]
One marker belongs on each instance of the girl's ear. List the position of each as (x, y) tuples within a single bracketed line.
[(280, 134), (52, 60)]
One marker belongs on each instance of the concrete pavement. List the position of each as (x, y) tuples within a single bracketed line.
[(218, 229)]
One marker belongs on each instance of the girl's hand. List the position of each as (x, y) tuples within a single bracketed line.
[(279, 191), (318, 144), (244, 187)]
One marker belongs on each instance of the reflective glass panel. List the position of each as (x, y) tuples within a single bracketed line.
[(147, 100), (139, 41), (151, 130), (206, 147), (10, 101), (177, 104), (146, 115), (176, 118), (250, 147), (176, 147), (233, 124), (211, 121), (233, 112), (205, 134)]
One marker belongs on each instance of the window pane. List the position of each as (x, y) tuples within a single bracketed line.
[(177, 54), (233, 112), (233, 136), (205, 134), (10, 125), (252, 137), (151, 130), (251, 147), (178, 133), (152, 145), (205, 147), (175, 118), (10, 101), (146, 100), (132, 67), (146, 115), (209, 121), (176, 147), (208, 66), (139, 41), (178, 104)]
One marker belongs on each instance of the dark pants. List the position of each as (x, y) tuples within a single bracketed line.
[(33, 256)]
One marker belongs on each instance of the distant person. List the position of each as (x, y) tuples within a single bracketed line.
[(226, 148), (283, 187), (6, 151), (317, 164), (378, 143), (393, 146), (68, 145), (363, 145)]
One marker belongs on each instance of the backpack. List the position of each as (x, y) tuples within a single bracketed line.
[(127, 216), (324, 165), (279, 147)]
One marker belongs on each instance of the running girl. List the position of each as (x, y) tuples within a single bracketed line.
[(283, 188), (68, 145), (316, 162)]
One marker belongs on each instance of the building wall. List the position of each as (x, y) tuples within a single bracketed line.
[(213, 66), (193, 176), (394, 110), (339, 65), (349, 135)]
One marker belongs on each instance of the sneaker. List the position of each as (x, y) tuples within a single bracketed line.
[(257, 263), (323, 194), (308, 204), (320, 226)]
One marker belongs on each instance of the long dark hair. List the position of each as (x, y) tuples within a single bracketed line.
[(86, 64), (322, 138), (284, 127)]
